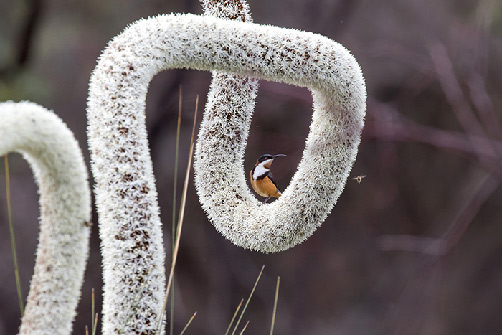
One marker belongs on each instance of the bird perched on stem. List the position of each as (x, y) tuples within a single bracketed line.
[(261, 178)]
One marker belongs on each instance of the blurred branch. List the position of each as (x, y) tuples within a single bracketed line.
[(416, 301), (24, 42), (386, 123), (486, 150), (456, 98), (28, 31), (466, 207), (472, 106), (483, 105)]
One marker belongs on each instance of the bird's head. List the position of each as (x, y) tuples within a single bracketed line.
[(267, 159)]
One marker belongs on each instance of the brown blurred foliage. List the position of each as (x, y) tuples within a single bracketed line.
[(415, 248)]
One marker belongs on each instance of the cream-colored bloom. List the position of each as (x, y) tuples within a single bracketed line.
[(237, 10), (59, 169), (339, 108), (125, 190)]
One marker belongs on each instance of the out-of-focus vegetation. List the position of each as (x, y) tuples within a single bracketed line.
[(415, 248)]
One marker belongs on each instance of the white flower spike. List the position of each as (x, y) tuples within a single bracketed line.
[(237, 10), (125, 190), (326, 163), (59, 169)]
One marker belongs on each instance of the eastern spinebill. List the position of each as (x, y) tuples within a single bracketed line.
[(261, 178)]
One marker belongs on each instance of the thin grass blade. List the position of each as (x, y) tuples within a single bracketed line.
[(234, 316), (95, 324), (181, 216), (275, 305), (249, 299), (173, 230), (12, 237), (244, 329), (188, 323), (92, 311)]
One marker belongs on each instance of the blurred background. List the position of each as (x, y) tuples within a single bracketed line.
[(415, 248)]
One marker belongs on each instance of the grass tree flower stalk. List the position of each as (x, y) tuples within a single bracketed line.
[(229, 94), (339, 93), (125, 190), (224, 87), (59, 169)]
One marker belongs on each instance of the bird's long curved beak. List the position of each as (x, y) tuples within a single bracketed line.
[(279, 155)]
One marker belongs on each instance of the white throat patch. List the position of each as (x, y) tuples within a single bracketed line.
[(259, 171)]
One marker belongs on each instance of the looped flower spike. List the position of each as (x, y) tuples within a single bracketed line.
[(219, 163), (65, 206), (339, 94), (125, 188), (118, 137)]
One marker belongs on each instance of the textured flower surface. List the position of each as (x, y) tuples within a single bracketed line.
[(227, 119), (125, 189), (339, 107), (57, 162)]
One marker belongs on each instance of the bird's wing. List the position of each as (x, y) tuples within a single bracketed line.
[(271, 177)]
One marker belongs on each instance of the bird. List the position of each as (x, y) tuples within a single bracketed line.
[(261, 178)]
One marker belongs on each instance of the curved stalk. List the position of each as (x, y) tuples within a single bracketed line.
[(339, 96), (59, 169), (224, 87), (125, 190)]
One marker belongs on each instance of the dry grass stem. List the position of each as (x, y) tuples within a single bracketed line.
[(181, 216)]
